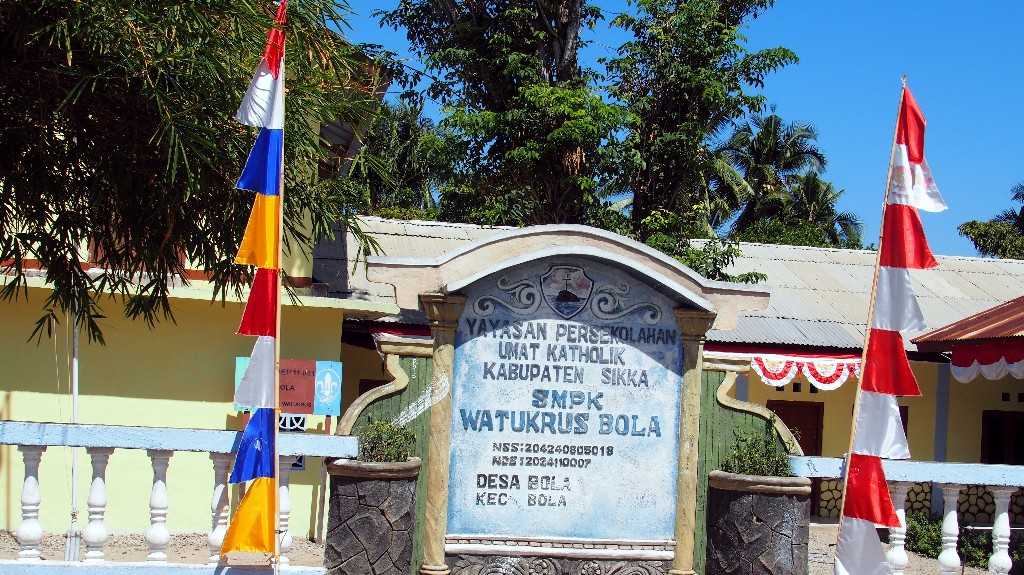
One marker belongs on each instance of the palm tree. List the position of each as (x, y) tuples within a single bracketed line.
[(813, 201), (1010, 216), (1003, 235), (770, 153)]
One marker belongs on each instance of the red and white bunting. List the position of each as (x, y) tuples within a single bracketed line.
[(991, 360), (822, 372)]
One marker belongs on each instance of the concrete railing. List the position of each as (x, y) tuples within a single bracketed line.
[(950, 478), (100, 441)]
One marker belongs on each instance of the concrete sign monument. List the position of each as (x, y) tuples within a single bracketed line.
[(565, 406), (564, 403)]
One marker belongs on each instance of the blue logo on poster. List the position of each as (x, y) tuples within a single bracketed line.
[(327, 396)]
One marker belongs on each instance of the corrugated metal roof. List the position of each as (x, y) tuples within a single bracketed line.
[(1003, 321), (819, 296)]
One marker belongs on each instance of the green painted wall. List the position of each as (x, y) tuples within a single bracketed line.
[(413, 401), (719, 426)]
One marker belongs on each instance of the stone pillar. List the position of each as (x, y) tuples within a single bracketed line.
[(95, 533), (949, 561), (444, 312), (219, 504), (157, 536), (1000, 562), (284, 506), (30, 532), (693, 325), (897, 555)]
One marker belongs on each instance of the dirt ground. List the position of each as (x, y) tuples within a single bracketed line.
[(822, 548), (191, 548)]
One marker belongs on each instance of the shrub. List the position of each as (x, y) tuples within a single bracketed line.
[(383, 441), (924, 537), (758, 453)]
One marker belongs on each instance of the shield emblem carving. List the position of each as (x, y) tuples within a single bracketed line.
[(566, 289)]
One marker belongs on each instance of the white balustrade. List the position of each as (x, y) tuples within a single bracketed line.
[(219, 506), (897, 555), (949, 561), (30, 532), (157, 536), (1000, 561), (284, 504), (95, 533)]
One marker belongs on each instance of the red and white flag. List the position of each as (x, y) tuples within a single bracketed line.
[(878, 429)]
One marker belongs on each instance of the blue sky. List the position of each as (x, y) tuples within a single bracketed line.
[(964, 66)]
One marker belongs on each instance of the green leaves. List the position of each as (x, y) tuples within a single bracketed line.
[(120, 148), (1003, 235)]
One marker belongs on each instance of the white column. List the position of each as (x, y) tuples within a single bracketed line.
[(284, 505), (30, 532), (157, 536), (1000, 561), (897, 554), (949, 561), (95, 533), (219, 505)]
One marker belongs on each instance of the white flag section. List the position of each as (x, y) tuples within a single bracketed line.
[(912, 184), (879, 427), (263, 104), (257, 386), (859, 551), (896, 306)]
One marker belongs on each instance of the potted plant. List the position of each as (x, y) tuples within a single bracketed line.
[(758, 515), (373, 504)]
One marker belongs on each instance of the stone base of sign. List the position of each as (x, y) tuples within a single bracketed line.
[(371, 517), (757, 525), (488, 564)]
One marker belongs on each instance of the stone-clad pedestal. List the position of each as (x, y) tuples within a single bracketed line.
[(371, 518), (757, 525)]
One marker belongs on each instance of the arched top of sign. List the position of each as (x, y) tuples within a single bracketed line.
[(566, 290), (461, 267)]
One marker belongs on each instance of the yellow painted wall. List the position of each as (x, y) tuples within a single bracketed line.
[(838, 411), (967, 401), (176, 375)]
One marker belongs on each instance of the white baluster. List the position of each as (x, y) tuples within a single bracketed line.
[(157, 536), (30, 532), (897, 554), (284, 505), (219, 505), (949, 561), (1000, 561), (95, 533)]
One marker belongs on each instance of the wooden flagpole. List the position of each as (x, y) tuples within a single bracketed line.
[(871, 313)]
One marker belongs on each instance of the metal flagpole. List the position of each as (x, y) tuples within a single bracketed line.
[(277, 345), (74, 538)]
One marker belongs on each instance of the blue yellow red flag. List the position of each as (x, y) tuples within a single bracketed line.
[(252, 528), (256, 453)]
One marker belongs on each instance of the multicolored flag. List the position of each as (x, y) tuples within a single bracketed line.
[(253, 528), (878, 429)]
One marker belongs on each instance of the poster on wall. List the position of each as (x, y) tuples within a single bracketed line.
[(565, 406)]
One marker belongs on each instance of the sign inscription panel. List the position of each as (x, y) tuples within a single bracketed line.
[(565, 406)]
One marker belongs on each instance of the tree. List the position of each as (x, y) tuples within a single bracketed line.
[(119, 146), (770, 154), (402, 164), (684, 77), (813, 201), (510, 75), (1003, 235)]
